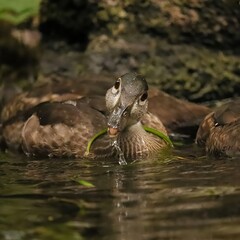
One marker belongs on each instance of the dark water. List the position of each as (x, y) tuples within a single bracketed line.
[(181, 197)]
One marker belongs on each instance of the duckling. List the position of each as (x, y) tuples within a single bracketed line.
[(63, 129), (219, 132), (53, 88), (177, 115)]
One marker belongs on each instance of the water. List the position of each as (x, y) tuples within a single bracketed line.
[(182, 197), (121, 158)]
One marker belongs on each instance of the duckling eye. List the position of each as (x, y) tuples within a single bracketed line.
[(144, 97), (125, 113), (116, 86)]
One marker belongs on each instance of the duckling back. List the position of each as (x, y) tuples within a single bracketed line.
[(55, 129), (219, 132)]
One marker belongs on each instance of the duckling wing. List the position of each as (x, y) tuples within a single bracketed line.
[(219, 132), (227, 113), (60, 129), (177, 115)]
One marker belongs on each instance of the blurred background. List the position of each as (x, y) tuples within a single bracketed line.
[(188, 48)]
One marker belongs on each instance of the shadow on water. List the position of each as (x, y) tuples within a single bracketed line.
[(185, 196)]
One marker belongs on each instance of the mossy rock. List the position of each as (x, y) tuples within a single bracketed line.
[(17, 60), (188, 48), (193, 72), (212, 23), (69, 20)]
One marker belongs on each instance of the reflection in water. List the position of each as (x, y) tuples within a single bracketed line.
[(185, 198)]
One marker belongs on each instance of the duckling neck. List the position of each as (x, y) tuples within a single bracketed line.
[(135, 142), (133, 131)]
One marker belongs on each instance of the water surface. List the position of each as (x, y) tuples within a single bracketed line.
[(182, 197)]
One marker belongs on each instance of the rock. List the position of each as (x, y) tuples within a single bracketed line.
[(186, 48)]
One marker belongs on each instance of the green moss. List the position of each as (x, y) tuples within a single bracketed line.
[(197, 73)]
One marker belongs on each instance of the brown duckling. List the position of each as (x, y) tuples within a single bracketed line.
[(219, 132), (63, 129), (53, 88), (177, 115)]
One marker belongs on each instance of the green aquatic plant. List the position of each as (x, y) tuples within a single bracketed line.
[(84, 183), (90, 142), (17, 11), (147, 129)]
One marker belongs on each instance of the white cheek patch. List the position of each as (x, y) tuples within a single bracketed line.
[(139, 107), (135, 108), (114, 90), (142, 103), (112, 99)]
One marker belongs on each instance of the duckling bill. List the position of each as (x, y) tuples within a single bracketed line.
[(63, 129)]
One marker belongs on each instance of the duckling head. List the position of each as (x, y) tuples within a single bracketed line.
[(127, 102)]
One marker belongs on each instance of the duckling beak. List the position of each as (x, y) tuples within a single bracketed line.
[(112, 132), (115, 121)]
